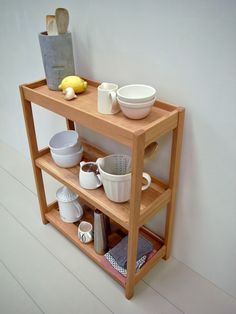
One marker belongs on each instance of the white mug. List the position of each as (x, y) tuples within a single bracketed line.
[(89, 178), (85, 232), (107, 103)]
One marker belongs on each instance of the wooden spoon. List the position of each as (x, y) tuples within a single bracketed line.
[(51, 26), (62, 19)]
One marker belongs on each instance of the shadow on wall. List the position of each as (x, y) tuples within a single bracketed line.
[(83, 62)]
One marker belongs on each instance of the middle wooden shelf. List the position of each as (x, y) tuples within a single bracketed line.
[(153, 199)]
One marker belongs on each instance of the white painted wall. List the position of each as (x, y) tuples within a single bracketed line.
[(186, 49)]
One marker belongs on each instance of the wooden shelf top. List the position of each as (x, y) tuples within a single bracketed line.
[(83, 110)]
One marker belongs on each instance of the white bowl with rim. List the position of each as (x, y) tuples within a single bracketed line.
[(136, 93), (65, 143), (136, 110), (67, 161)]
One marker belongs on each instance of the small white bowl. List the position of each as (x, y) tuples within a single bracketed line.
[(138, 104), (136, 93), (67, 161), (136, 110), (65, 143)]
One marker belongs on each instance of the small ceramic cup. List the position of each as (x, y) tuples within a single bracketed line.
[(85, 232), (107, 103), (89, 177)]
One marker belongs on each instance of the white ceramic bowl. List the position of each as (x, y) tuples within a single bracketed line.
[(136, 93), (136, 110), (65, 143), (67, 161)]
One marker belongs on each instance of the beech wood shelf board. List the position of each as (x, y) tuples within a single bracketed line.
[(83, 110), (119, 212), (70, 230)]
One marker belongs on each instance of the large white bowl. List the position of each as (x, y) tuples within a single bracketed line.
[(65, 143), (67, 161), (136, 110), (136, 93)]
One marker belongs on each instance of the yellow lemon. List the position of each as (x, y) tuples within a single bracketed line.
[(77, 83)]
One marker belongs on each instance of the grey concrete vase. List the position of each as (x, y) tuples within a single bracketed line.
[(58, 59)]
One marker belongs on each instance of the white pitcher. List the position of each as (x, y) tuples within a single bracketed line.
[(89, 177), (69, 207), (116, 177)]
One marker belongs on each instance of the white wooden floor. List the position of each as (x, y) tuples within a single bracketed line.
[(42, 272)]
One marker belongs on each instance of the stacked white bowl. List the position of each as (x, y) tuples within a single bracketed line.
[(136, 100), (66, 149)]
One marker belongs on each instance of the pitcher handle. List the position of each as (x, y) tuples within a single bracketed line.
[(99, 179), (82, 163), (79, 208), (149, 180)]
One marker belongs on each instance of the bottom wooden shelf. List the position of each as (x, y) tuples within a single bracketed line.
[(70, 231)]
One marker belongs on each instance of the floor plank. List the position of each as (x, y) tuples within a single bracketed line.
[(13, 298), (52, 286), (188, 290)]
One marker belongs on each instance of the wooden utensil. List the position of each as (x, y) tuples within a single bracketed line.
[(51, 26), (62, 20)]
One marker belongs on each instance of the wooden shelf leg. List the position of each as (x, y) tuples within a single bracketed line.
[(173, 179), (34, 152), (135, 201), (131, 265), (70, 124)]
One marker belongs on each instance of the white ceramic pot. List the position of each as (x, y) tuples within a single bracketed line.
[(67, 161), (116, 177), (89, 178), (69, 207)]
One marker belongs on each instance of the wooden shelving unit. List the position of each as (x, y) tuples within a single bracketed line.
[(128, 217)]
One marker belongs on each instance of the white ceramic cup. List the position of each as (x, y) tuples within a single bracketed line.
[(89, 178), (85, 232), (107, 103)]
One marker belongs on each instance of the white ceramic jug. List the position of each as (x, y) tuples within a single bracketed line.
[(69, 207), (116, 177), (89, 177)]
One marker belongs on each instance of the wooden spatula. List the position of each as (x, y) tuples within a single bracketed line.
[(51, 26), (62, 20)]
